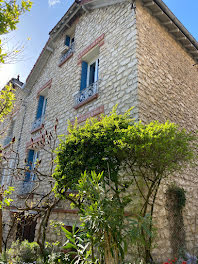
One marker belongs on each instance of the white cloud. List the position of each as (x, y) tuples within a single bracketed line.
[(53, 2)]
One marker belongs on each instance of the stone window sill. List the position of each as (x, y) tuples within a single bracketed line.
[(36, 129), (66, 59)]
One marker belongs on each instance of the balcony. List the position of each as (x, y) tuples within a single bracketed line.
[(86, 95), (37, 123), (7, 141), (66, 55)]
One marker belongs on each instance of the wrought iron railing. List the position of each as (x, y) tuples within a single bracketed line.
[(7, 140), (37, 123), (86, 93), (68, 53)]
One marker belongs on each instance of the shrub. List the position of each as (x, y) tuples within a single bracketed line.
[(23, 252)]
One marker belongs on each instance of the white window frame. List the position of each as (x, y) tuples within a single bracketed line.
[(96, 60), (44, 106)]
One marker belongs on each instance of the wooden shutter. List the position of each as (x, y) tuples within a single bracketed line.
[(67, 41), (29, 163), (40, 107), (83, 75)]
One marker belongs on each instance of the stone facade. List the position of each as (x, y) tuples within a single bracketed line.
[(140, 65), (167, 90)]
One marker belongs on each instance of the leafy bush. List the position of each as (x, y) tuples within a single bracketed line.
[(112, 160), (23, 252)]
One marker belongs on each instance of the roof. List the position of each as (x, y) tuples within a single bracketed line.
[(173, 25), (157, 8), (16, 82)]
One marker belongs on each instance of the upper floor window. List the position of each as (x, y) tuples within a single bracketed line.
[(9, 136), (67, 49), (42, 103), (89, 78), (69, 41), (40, 114), (92, 73)]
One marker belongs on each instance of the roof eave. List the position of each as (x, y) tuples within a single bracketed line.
[(173, 25), (93, 4), (41, 61)]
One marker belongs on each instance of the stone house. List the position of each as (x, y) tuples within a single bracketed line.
[(102, 53)]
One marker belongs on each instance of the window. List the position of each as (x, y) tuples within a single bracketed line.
[(27, 186), (3, 177), (33, 156), (92, 73), (69, 41), (41, 109), (7, 172), (9, 137), (67, 50), (89, 83), (89, 73), (25, 227)]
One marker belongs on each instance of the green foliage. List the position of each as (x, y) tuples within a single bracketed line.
[(78, 246), (7, 98), (178, 196), (59, 258), (102, 213), (10, 12), (92, 147), (23, 252), (129, 159), (105, 145), (136, 226), (6, 200)]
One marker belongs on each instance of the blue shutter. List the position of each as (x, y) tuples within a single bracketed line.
[(67, 41), (29, 163), (40, 107), (83, 75)]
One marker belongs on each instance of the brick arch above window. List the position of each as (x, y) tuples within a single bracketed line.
[(98, 42), (46, 86)]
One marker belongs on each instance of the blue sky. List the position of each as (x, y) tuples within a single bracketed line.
[(37, 23)]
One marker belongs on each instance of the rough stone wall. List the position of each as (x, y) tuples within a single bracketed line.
[(167, 90), (117, 75)]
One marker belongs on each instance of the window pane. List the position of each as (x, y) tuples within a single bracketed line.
[(92, 73)]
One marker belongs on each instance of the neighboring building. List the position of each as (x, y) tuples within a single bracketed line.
[(102, 53)]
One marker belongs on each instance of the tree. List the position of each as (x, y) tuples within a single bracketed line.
[(10, 12), (134, 158), (44, 202), (7, 98)]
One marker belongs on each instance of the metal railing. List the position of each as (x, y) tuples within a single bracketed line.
[(37, 123), (86, 93), (68, 53), (7, 140)]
